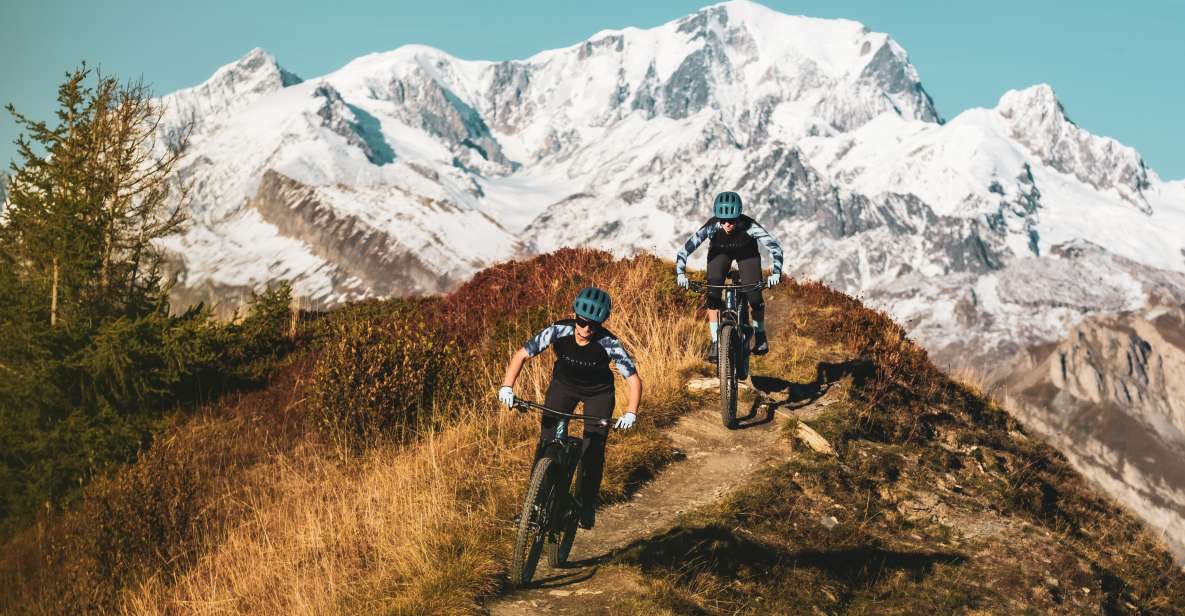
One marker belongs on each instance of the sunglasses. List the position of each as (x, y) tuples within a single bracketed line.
[(583, 322)]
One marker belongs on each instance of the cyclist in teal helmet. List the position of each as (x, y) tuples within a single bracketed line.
[(732, 237), (583, 351)]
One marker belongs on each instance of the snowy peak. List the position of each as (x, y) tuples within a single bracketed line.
[(1037, 120), (257, 72), (231, 87), (1039, 104), (837, 46), (841, 49)]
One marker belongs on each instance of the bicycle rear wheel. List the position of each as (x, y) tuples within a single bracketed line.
[(559, 550), (726, 367), (533, 523)]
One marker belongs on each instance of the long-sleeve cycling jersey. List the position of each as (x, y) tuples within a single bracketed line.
[(584, 368), (741, 243)]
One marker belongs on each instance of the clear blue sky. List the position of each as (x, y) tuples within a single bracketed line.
[(1115, 66)]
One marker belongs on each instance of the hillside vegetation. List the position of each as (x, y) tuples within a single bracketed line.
[(374, 473), (935, 500)]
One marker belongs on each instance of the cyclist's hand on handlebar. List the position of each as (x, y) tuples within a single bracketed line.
[(681, 280), (773, 279), (506, 396), (625, 422)]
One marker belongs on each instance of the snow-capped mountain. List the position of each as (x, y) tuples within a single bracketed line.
[(988, 235), (823, 125), (620, 114)]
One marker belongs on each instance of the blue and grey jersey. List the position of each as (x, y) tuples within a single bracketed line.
[(741, 243), (585, 368)]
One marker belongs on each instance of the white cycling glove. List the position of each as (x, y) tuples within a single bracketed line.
[(625, 422), (506, 396), (773, 279), (681, 280)]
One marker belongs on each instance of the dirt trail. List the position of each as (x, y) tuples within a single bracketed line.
[(716, 460)]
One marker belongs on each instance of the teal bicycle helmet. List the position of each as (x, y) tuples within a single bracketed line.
[(593, 304), (727, 206)]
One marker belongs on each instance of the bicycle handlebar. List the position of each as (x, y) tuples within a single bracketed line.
[(523, 405), (703, 286)]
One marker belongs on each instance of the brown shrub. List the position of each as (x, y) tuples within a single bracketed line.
[(388, 379), (506, 290)]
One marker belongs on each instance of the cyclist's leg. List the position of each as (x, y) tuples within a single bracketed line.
[(718, 264), (592, 454), (750, 274), (560, 398)]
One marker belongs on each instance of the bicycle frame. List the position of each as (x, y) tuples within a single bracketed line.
[(563, 447), (735, 310), (549, 513)]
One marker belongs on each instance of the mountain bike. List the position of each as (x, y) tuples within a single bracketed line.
[(550, 510), (735, 334)]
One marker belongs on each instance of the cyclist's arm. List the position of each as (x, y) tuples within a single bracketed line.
[(514, 367), (533, 347), (634, 382), (628, 370), (544, 338), (759, 233), (692, 243)]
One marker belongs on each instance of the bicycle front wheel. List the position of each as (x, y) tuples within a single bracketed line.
[(559, 550), (533, 523), (726, 366)]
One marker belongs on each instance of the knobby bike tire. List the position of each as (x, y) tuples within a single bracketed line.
[(528, 542), (726, 366), (559, 550), (742, 356)]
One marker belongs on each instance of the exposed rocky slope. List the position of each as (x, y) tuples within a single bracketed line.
[(1110, 396)]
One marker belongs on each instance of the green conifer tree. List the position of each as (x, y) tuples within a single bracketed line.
[(89, 193), (89, 196)]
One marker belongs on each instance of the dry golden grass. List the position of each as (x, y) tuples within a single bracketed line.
[(423, 528)]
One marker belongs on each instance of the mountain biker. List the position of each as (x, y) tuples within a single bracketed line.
[(732, 237), (583, 349)]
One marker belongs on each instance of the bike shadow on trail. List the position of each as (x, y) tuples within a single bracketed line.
[(689, 551), (574, 572), (774, 393)]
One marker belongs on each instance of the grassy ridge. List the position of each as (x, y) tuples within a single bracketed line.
[(936, 501), (329, 492)]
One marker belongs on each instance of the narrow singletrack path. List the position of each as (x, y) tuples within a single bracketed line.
[(715, 460)]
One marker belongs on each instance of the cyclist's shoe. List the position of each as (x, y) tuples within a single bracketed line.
[(713, 351), (760, 344), (517, 518), (588, 517)]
